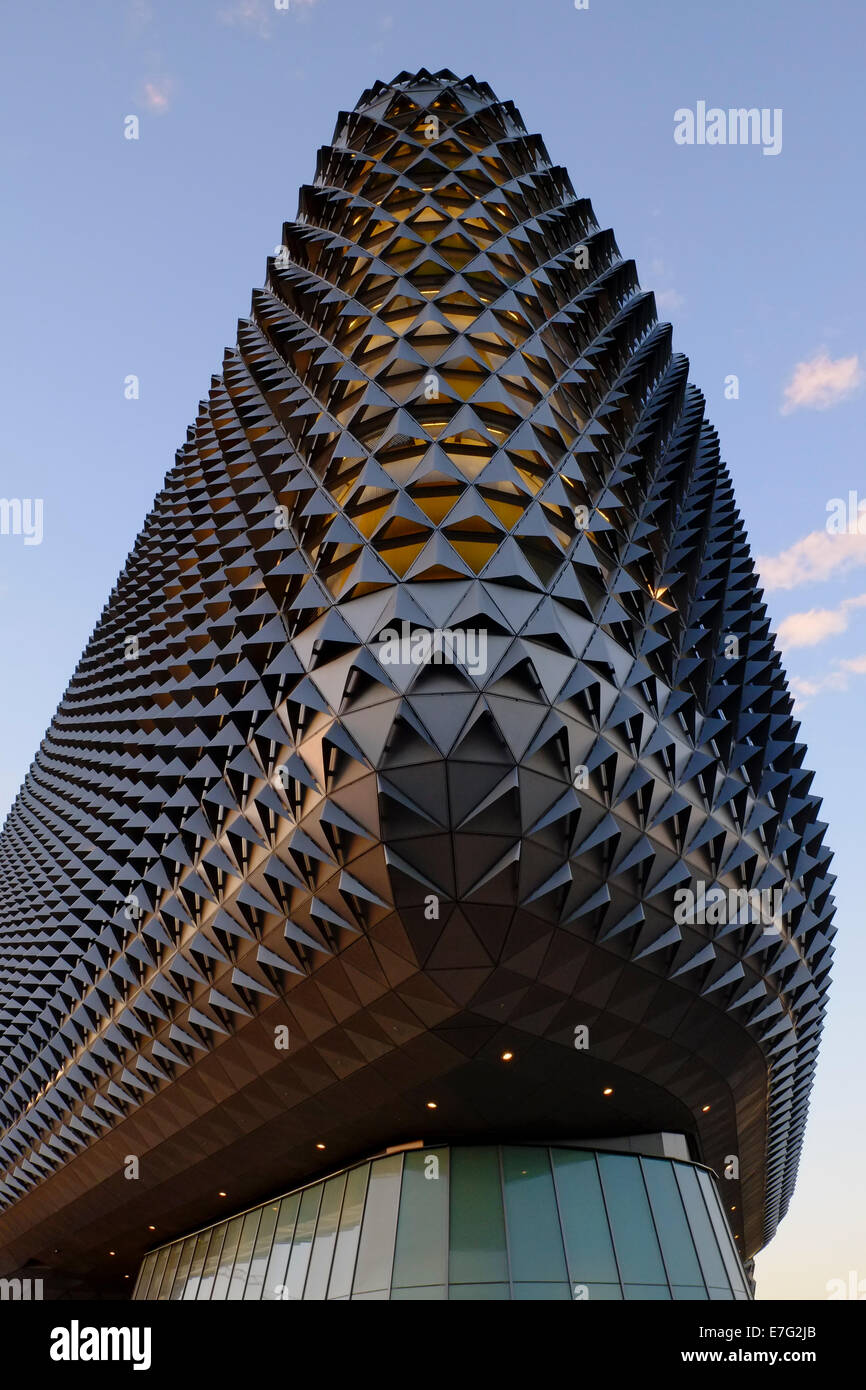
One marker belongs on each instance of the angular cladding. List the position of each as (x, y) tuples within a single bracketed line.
[(452, 407)]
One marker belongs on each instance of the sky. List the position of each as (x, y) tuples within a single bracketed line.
[(135, 257)]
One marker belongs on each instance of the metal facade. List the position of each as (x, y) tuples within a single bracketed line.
[(451, 408)]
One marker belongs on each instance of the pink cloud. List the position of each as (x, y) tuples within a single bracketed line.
[(821, 383), (157, 94), (817, 556), (816, 625)]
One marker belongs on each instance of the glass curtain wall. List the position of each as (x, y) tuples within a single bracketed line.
[(486, 1222)]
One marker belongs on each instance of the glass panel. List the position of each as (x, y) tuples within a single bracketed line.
[(301, 1246), (479, 1293), (261, 1253), (671, 1224), (199, 1251), (534, 1235), (349, 1233), (376, 1250), (702, 1232), (242, 1259), (659, 1293), (275, 1286), (326, 1238), (211, 1264), (183, 1269), (227, 1259), (158, 1271), (722, 1230), (430, 1291), (144, 1276), (628, 1208), (477, 1222), (696, 1292), (584, 1221), (170, 1270), (604, 1293), (557, 1292), (421, 1253)]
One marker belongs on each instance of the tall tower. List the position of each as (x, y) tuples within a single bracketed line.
[(424, 834)]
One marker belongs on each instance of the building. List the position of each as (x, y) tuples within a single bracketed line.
[(419, 887)]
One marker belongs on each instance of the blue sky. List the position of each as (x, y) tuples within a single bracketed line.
[(137, 257)]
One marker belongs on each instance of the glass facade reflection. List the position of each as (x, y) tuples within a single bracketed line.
[(486, 1222)]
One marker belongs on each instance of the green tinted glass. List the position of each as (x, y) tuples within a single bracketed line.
[(534, 1235), (723, 1235), (244, 1254), (634, 1238), (421, 1253), (142, 1283), (477, 1221), (274, 1285), (183, 1264), (326, 1238), (584, 1221), (197, 1265), (302, 1245), (376, 1250), (227, 1259), (261, 1253), (521, 1221), (211, 1263), (702, 1230), (349, 1234), (670, 1218)]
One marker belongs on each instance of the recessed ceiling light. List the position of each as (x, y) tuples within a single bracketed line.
[(222, 1194), (320, 1146), (608, 1091), (704, 1109), (431, 1105), (111, 1252), (507, 1056), (151, 1228)]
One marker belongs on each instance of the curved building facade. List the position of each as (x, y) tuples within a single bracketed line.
[(487, 1222), (431, 774)]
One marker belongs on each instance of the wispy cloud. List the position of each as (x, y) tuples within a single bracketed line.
[(384, 24), (158, 93), (248, 14), (256, 15), (139, 14), (820, 555), (822, 382), (816, 625), (836, 680), (669, 300)]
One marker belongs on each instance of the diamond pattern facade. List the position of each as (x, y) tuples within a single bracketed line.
[(451, 407)]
